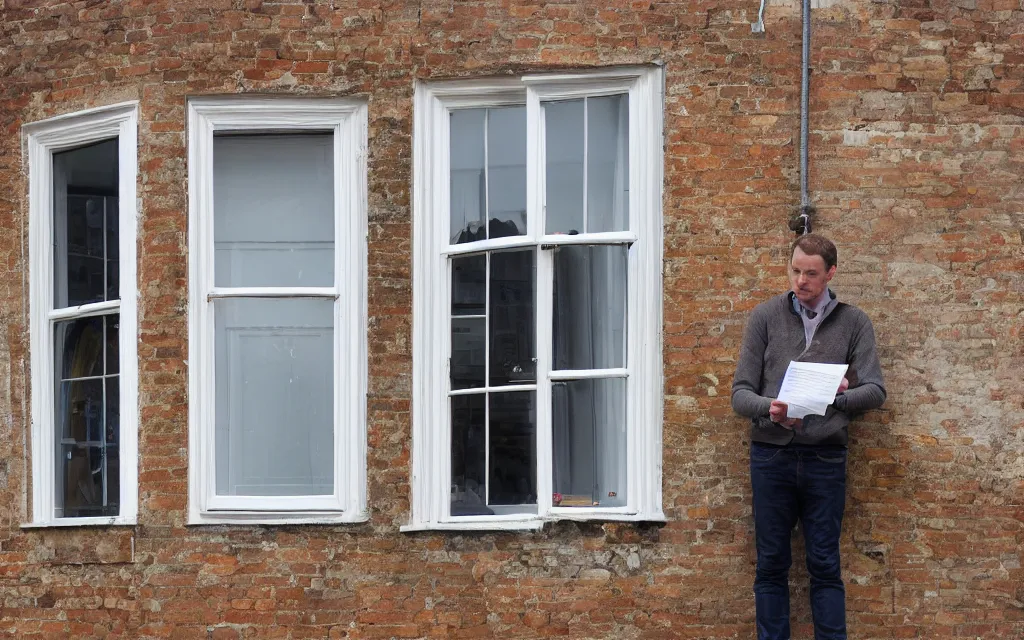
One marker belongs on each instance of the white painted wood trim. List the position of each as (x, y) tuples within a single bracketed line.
[(347, 120), (273, 292), (608, 237), (85, 310), (431, 253), (44, 139), (588, 374)]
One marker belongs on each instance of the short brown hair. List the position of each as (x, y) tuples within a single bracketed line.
[(814, 245)]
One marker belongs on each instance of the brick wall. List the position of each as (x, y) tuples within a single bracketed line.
[(917, 134)]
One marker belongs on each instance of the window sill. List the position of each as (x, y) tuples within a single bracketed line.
[(276, 518), (116, 521), (532, 523)]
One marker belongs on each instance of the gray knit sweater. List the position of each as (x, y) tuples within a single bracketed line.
[(774, 336)]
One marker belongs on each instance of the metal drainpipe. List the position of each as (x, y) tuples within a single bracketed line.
[(805, 203), (800, 223)]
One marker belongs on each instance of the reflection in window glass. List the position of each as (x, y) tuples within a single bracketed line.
[(511, 306), (86, 386), (512, 454), (85, 225), (587, 165), (469, 464), (564, 176), (487, 173), (608, 163), (469, 285), (87, 417)]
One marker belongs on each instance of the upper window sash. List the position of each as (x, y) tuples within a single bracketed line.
[(347, 121), (46, 138), (432, 250)]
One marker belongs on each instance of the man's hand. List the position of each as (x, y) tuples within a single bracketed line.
[(843, 386), (777, 412)]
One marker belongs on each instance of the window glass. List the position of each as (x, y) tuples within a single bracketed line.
[(589, 313), (469, 285), (487, 173), (466, 180), (469, 462), (512, 452), (273, 210), (608, 163), (506, 171), (563, 182), (274, 396), (511, 306), (588, 420), (86, 389), (587, 170), (494, 453), (87, 417), (85, 226)]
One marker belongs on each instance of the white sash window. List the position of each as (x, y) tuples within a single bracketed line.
[(84, 328), (537, 254), (277, 318)]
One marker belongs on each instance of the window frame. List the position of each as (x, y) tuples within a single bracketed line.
[(44, 139), (347, 120), (431, 446)]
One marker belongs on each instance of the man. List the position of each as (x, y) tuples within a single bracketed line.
[(798, 467)]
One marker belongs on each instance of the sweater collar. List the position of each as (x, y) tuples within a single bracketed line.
[(823, 307)]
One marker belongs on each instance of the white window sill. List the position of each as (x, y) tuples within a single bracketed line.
[(532, 523), (276, 517), (116, 521)]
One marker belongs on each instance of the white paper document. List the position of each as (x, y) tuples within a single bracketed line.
[(809, 387)]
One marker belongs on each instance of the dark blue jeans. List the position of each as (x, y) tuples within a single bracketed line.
[(809, 484)]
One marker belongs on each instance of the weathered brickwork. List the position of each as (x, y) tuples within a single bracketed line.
[(917, 157)]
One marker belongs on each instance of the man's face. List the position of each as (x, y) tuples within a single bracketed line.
[(808, 277)]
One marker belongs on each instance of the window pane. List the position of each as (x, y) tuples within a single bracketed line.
[(273, 210), (85, 486), (79, 346), (275, 396), (86, 412), (468, 207), (113, 270), (608, 163), (469, 446), (563, 126), (84, 231), (112, 435), (467, 363), (590, 307), (506, 171), (588, 423), (513, 449), (112, 441), (113, 345), (512, 342), (469, 285)]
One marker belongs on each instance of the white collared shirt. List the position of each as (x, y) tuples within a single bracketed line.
[(820, 306)]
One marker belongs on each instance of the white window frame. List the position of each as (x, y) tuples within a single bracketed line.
[(45, 138), (347, 120), (431, 445)]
